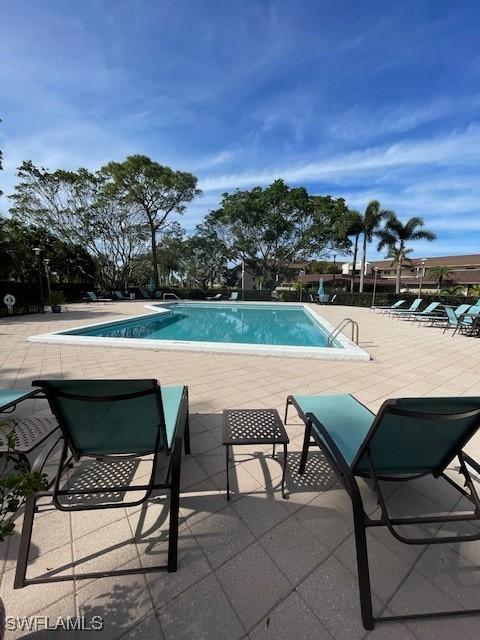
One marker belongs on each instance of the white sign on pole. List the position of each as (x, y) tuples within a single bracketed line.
[(9, 300)]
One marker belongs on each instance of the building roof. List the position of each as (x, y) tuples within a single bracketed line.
[(472, 260)]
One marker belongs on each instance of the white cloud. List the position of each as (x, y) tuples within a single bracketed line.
[(455, 148)]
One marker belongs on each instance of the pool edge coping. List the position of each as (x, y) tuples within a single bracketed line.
[(349, 351)]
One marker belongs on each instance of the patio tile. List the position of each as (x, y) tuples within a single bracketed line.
[(105, 549), (202, 612), (222, 536), (290, 619), (407, 359), (121, 601), (331, 592), (63, 608), (383, 583), (244, 578), (34, 598), (419, 595), (464, 627), (260, 512), (294, 549), (329, 517)]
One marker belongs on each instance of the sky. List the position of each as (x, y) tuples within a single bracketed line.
[(358, 100)]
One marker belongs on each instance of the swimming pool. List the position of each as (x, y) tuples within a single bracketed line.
[(260, 328)]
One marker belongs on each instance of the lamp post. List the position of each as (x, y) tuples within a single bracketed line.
[(422, 275), (334, 268), (374, 285), (243, 279), (46, 263), (36, 251)]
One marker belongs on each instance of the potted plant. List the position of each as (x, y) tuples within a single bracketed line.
[(55, 300), (17, 482)]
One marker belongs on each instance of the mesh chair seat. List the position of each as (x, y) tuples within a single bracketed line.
[(30, 432)]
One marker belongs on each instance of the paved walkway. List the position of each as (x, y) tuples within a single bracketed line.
[(259, 567)]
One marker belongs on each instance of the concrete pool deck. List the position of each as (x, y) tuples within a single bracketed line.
[(259, 567)]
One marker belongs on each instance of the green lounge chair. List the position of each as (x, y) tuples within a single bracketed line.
[(119, 295), (469, 321), (383, 309), (443, 317), (407, 439), (413, 307), (92, 297), (112, 420), (234, 296), (413, 315)]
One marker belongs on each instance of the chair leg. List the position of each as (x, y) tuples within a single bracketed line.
[(306, 444), (186, 435), (287, 404), (174, 507), (363, 571), (25, 539)]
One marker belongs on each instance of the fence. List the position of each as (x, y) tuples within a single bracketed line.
[(27, 295)]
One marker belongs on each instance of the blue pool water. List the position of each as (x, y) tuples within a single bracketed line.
[(210, 322)]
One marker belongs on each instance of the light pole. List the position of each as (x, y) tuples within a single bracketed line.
[(422, 275), (334, 268), (374, 285), (46, 262), (36, 251), (243, 279)]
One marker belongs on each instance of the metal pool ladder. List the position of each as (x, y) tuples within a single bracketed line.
[(340, 326)]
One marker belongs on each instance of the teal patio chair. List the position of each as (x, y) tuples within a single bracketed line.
[(92, 297), (467, 321), (412, 308), (444, 314), (413, 315), (234, 296), (454, 318), (119, 295), (384, 308), (113, 421), (409, 438)]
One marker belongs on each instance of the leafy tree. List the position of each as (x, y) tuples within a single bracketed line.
[(454, 290), (274, 226), (439, 274), (6, 258), (169, 251), (371, 221), (70, 263), (75, 207), (204, 257), (395, 235), (321, 266), (355, 229), (153, 191)]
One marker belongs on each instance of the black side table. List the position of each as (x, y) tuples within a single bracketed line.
[(254, 426)]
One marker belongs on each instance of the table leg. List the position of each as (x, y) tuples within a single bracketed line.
[(273, 454), (228, 479), (284, 469)]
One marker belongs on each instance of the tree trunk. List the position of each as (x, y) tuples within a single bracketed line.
[(362, 264), (399, 271), (355, 251), (156, 279)]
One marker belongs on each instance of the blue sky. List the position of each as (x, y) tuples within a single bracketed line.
[(355, 99)]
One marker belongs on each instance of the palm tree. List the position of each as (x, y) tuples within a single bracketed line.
[(395, 235), (372, 218), (439, 274), (355, 229)]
